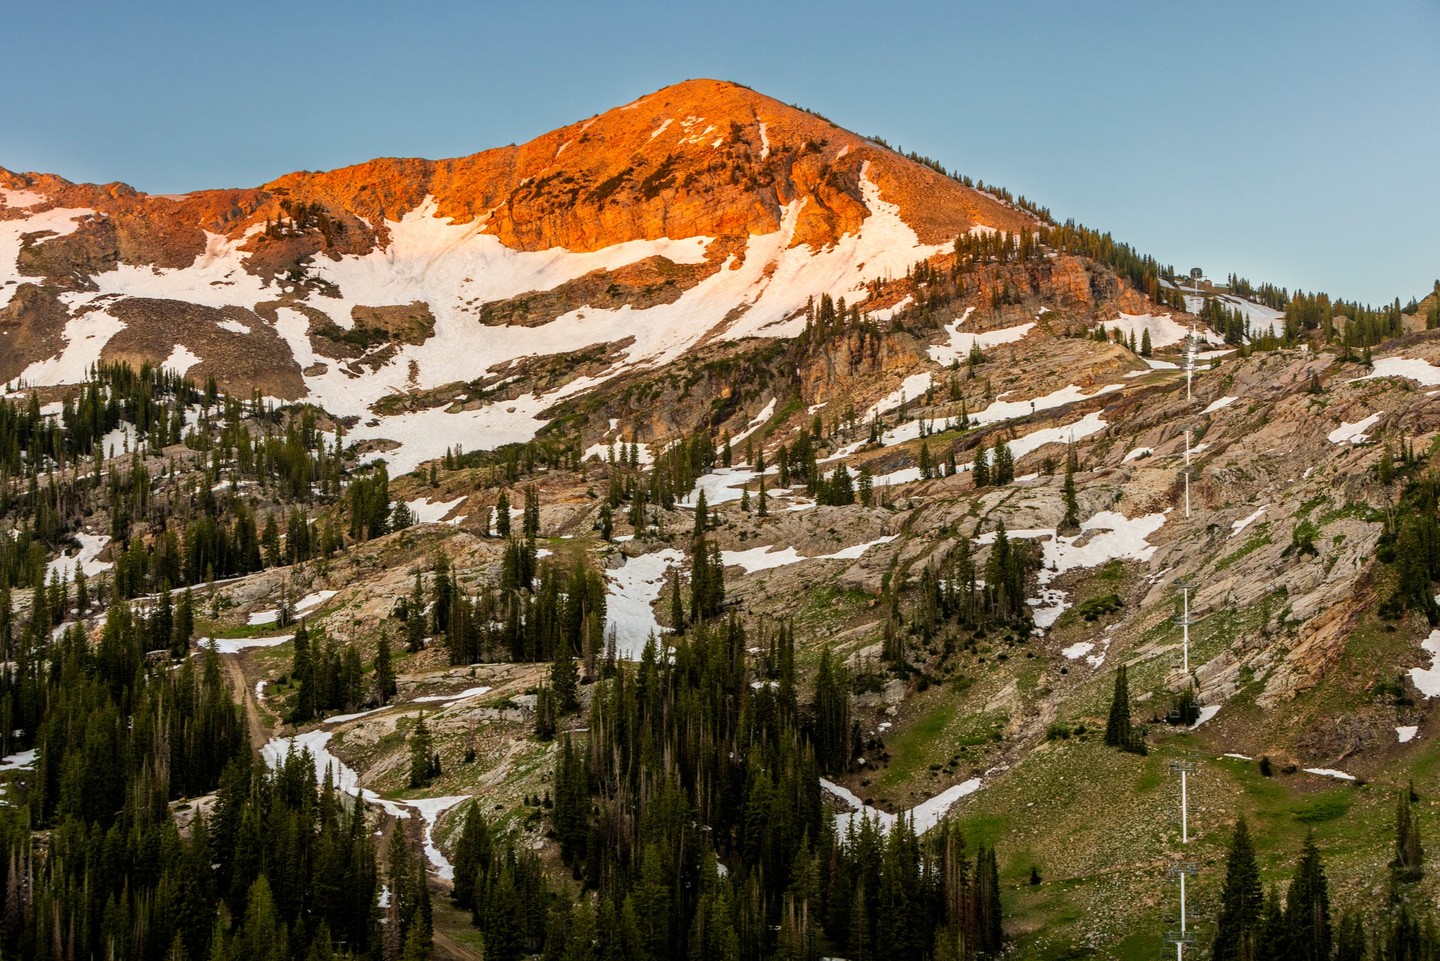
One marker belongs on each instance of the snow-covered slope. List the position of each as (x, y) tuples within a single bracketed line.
[(280, 290)]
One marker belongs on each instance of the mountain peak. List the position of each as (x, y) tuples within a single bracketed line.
[(698, 158)]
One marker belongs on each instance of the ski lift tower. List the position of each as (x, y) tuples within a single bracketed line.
[(1185, 620), (1183, 937)]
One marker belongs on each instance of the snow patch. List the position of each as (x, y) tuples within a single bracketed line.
[(1427, 679), (1105, 537), (1245, 522), (1354, 433), (86, 558), (1422, 372), (235, 645), (629, 602), (181, 359), (1331, 772), (427, 512), (1206, 713), (910, 388), (464, 695), (922, 817), (23, 761), (1164, 329), (960, 345), (1220, 404), (766, 558)]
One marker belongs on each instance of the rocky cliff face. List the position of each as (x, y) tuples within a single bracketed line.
[(704, 211)]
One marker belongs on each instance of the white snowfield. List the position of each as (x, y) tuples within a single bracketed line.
[(302, 606), (1427, 679), (1105, 537), (1330, 772), (432, 512), (464, 695), (1219, 404), (960, 345), (1355, 433), (1164, 329), (1421, 371), (631, 592), (90, 547), (1206, 713), (1262, 319), (725, 484), (62, 221), (766, 558), (238, 644), (922, 816), (912, 387), (346, 781), (456, 267), (1405, 733), (757, 422), (1245, 522), (23, 761)]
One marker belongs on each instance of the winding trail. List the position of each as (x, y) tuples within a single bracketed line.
[(245, 694)]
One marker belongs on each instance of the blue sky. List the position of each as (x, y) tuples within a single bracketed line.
[(1295, 142)]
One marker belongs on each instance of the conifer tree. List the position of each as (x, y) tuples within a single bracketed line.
[(531, 518), (1307, 907), (1072, 505), (564, 678), (702, 519), (421, 757), (385, 686), (1408, 864), (415, 617), (981, 469), (1119, 732), (677, 604), (1350, 938), (1004, 464), (1241, 900), (830, 715), (502, 514), (302, 671)]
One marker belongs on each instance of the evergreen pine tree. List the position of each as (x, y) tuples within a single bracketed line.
[(1408, 864), (385, 686), (1072, 505), (1119, 732), (1004, 464), (564, 678), (421, 761), (981, 470), (1241, 900), (1307, 907), (502, 514)]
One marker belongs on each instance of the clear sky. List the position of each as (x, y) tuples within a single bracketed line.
[(1295, 142)]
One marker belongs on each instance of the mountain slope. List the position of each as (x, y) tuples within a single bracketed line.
[(704, 210)]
